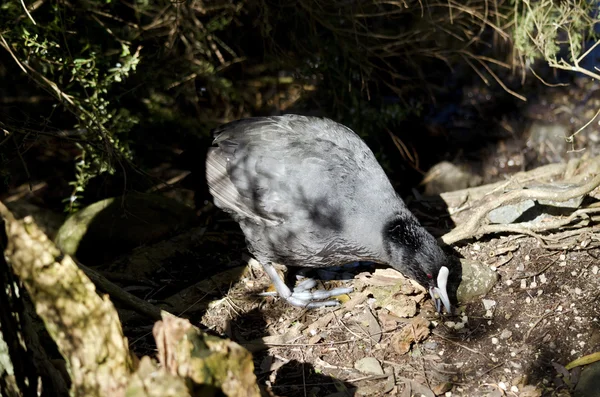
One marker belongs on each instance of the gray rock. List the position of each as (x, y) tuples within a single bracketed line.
[(560, 188), (509, 213), (589, 381)]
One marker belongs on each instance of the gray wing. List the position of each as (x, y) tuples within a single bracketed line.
[(266, 169)]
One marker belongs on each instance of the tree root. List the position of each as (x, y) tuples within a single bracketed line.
[(476, 223)]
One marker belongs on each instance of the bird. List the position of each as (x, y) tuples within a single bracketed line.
[(307, 191)]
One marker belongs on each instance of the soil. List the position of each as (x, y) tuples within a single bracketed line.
[(544, 315)]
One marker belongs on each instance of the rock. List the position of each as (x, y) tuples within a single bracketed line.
[(113, 226), (548, 138), (509, 213), (559, 188), (447, 177), (589, 381), (369, 365), (488, 304), (477, 280)]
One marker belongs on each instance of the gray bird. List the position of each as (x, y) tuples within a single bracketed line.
[(309, 192)]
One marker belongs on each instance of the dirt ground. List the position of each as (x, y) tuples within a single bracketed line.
[(541, 315)]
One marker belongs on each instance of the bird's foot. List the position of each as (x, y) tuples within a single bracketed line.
[(311, 299), (301, 296)]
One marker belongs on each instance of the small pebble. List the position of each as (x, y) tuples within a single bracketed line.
[(595, 269), (514, 389), (562, 264), (509, 282), (533, 284), (477, 247), (448, 394), (488, 303), (540, 292), (502, 385), (505, 334), (543, 278), (562, 257), (523, 284), (528, 300), (527, 257), (494, 341), (578, 291)]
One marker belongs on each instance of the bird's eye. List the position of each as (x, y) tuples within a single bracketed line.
[(429, 276)]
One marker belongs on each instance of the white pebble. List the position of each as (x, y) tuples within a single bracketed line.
[(448, 394), (523, 284), (543, 278), (488, 303), (477, 247), (514, 389), (502, 385), (494, 341), (540, 292), (578, 291), (509, 282), (562, 264), (528, 300), (527, 257), (595, 269), (562, 257), (533, 284)]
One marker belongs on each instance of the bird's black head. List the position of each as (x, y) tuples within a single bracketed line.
[(415, 253)]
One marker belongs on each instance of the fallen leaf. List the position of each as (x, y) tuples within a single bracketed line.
[(416, 330)]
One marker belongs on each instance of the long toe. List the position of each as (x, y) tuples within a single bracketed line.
[(305, 285), (314, 299)]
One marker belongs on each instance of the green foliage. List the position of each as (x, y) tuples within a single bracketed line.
[(546, 27), (82, 67), (128, 74)]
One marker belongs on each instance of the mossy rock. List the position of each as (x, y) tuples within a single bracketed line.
[(111, 227), (476, 280)]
